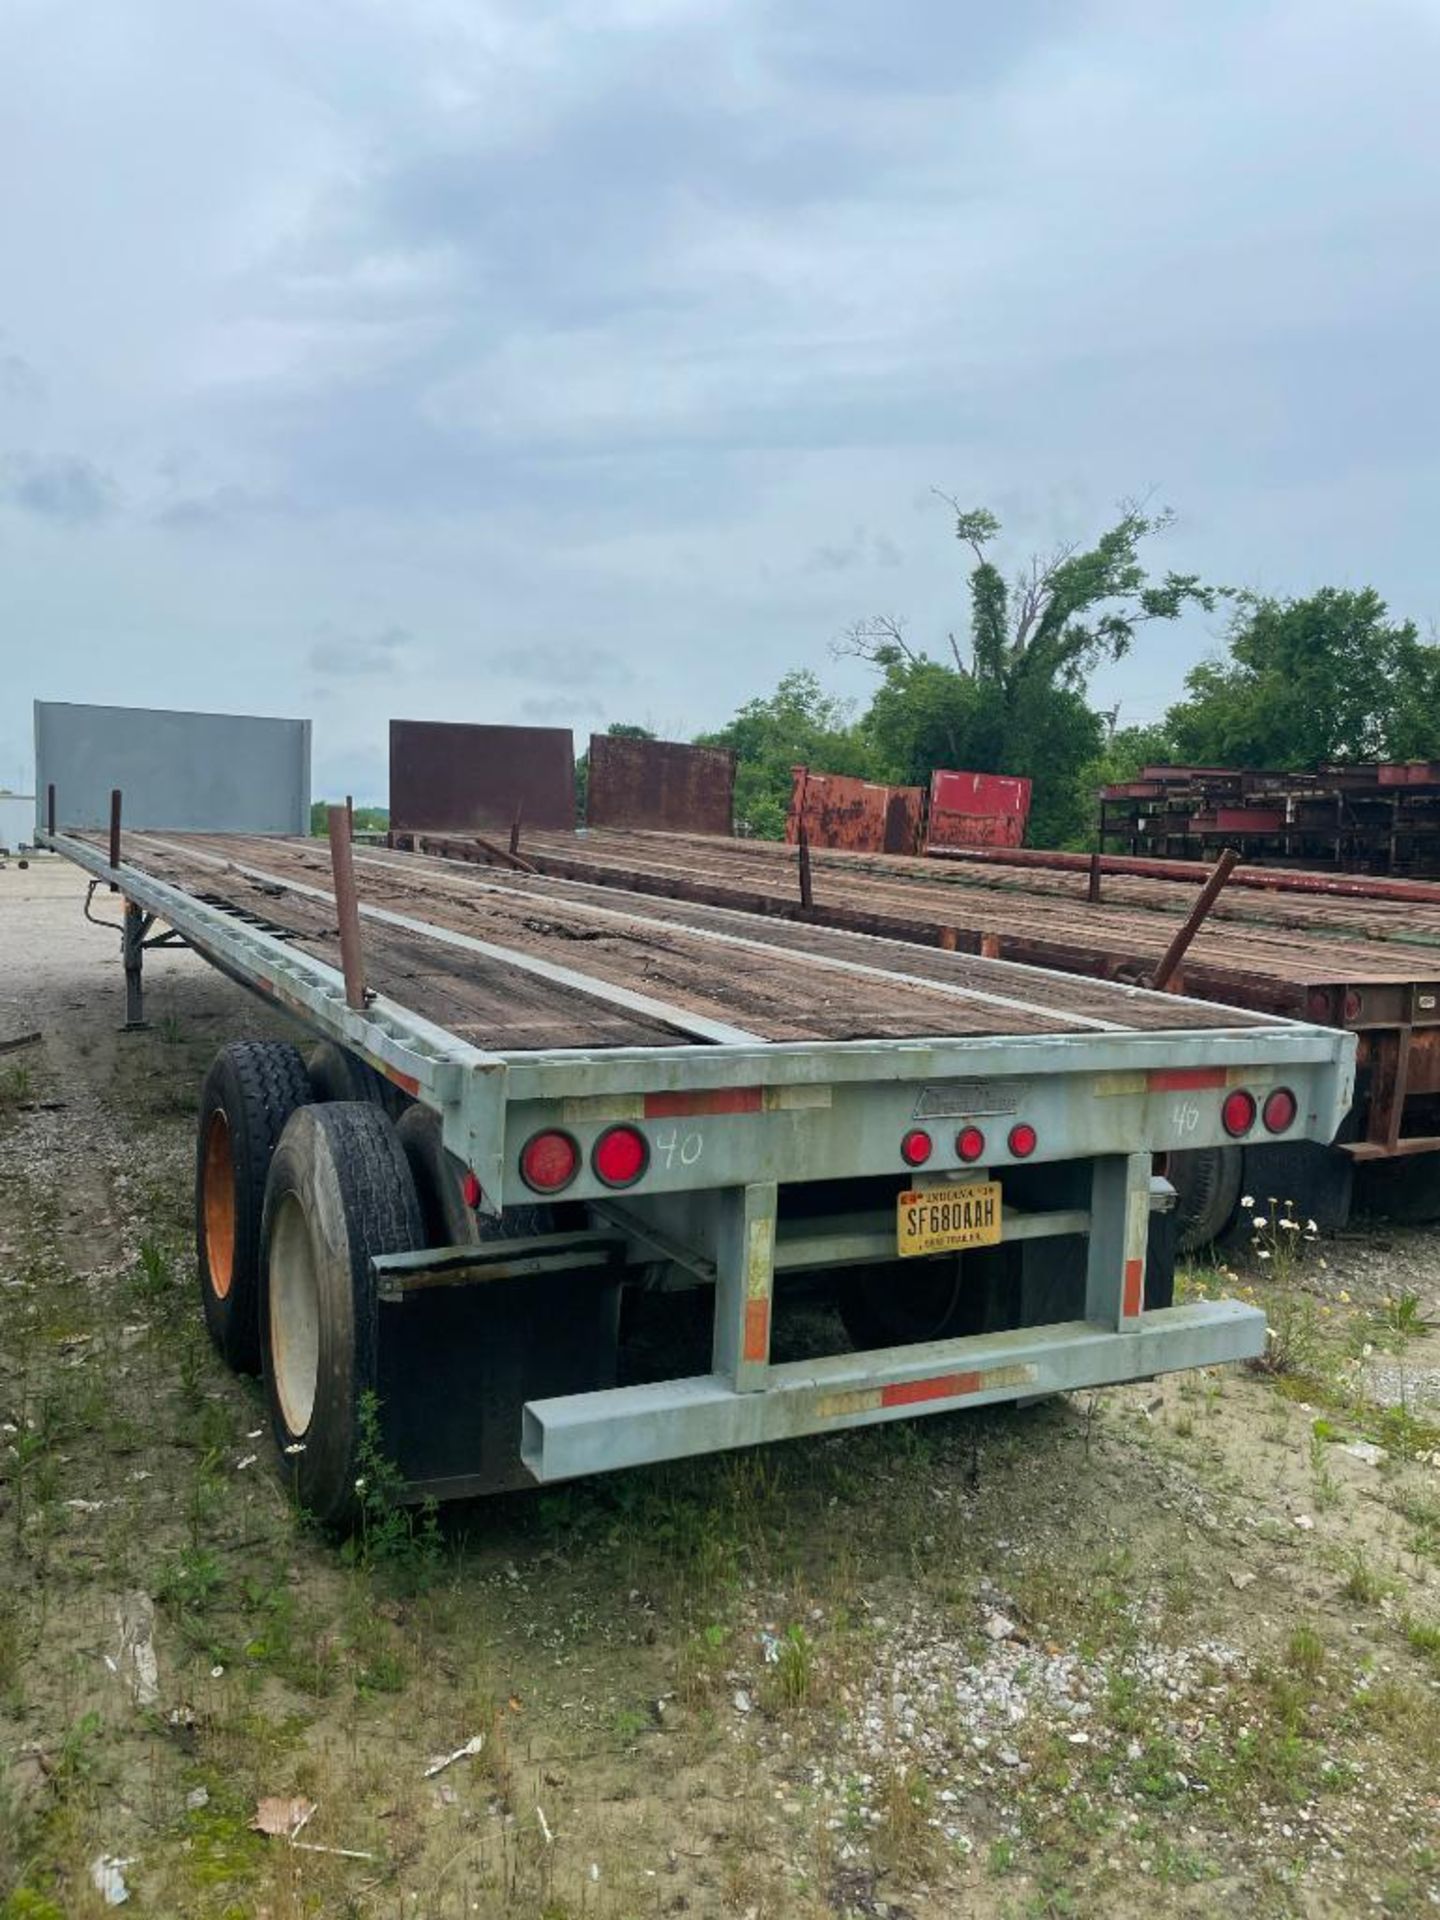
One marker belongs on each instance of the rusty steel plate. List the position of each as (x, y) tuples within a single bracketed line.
[(450, 776), (662, 784), (839, 810)]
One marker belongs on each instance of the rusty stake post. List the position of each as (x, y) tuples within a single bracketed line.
[(807, 890), (1094, 894), (347, 908), (114, 832), (1194, 920), (515, 832), (350, 814), (50, 808)]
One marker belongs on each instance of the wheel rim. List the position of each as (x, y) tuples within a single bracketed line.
[(294, 1315), (218, 1187)]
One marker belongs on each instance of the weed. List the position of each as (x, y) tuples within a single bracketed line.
[(192, 1582), (391, 1533), (1424, 1636), (1305, 1651), (1327, 1488), (155, 1280), (1362, 1583), (170, 1030), (794, 1668), (1400, 1315)]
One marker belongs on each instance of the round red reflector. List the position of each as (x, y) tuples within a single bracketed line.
[(970, 1143), (549, 1162), (1280, 1110), (470, 1190), (1237, 1116), (620, 1157), (916, 1147), (1022, 1140), (1353, 1005)]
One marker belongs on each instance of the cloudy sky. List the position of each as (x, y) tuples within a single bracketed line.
[(580, 360)]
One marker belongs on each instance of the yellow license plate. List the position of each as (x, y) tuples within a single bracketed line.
[(948, 1218)]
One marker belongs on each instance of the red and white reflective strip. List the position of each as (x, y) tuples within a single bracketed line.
[(914, 1393), (1137, 1233)]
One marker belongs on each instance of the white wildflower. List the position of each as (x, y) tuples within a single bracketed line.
[(1259, 1221), (1261, 1254), (1248, 1201)]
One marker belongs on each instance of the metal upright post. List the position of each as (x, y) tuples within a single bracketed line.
[(132, 951), (1119, 1229), (807, 890), (114, 833), (50, 808), (347, 909), (745, 1273)]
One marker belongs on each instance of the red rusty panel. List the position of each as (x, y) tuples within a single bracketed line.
[(661, 784), (977, 810), (861, 815), (452, 777)]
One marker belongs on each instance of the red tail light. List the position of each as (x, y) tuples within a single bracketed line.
[(470, 1189), (1280, 1110), (916, 1147), (620, 1156), (1023, 1140), (549, 1161), (970, 1143), (1237, 1116)]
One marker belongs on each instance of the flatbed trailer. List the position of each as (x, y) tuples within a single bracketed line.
[(552, 1096), (1369, 966)]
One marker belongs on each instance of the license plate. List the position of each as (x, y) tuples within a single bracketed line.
[(946, 1219)]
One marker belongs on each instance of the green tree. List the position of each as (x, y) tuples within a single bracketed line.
[(1014, 702), (798, 725), (1327, 677)]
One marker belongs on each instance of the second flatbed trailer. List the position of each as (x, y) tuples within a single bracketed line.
[(537, 1102)]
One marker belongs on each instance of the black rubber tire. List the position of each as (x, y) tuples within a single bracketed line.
[(340, 1192), (439, 1178), (338, 1074), (250, 1092), (1207, 1184), (908, 1301)]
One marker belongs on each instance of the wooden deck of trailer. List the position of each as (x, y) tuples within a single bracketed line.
[(514, 962)]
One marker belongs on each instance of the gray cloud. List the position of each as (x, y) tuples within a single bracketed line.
[(653, 322), (58, 487), (352, 655)]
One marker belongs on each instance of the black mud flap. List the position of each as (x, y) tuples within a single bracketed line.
[(1317, 1180), (457, 1364)]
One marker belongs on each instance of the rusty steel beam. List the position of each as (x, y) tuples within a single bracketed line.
[(1350, 886), (1194, 920), (347, 909)]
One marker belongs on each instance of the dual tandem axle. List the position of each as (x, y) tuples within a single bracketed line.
[(453, 1231)]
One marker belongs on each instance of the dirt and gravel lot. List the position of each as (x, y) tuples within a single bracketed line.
[(1173, 1649)]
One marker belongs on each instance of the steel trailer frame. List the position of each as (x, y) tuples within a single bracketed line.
[(731, 1120)]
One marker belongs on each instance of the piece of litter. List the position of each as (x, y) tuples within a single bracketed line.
[(254, 1433), (107, 1876), (217, 1673), (248, 1461), (341, 1853), (742, 1700), (998, 1628), (281, 1818), (1305, 1523), (85, 1506), (545, 1826), (594, 1869), (196, 1798), (471, 1747), (1240, 1580), (135, 1616)]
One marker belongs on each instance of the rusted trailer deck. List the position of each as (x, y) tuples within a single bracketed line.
[(509, 961)]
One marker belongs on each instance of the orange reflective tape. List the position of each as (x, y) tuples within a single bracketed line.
[(405, 1082), (757, 1330), (944, 1386), (1185, 1079), (1134, 1293), (677, 1106)]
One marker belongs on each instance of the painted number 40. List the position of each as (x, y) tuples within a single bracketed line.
[(1185, 1116), (684, 1147)]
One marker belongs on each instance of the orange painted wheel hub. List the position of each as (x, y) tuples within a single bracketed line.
[(219, 1205)]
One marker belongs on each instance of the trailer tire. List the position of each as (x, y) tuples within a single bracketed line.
[(250, 1092), (1207, 1184), (338, 1074), (439, 1177), (339, 1193)]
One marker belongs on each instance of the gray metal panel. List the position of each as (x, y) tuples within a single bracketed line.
[(448, 775), (17, 820), (660, 783), (196, 772)]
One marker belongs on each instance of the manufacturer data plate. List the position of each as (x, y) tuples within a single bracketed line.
[(944, 1220)]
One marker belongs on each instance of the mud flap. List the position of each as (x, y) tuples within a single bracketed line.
[(457, 1364)]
